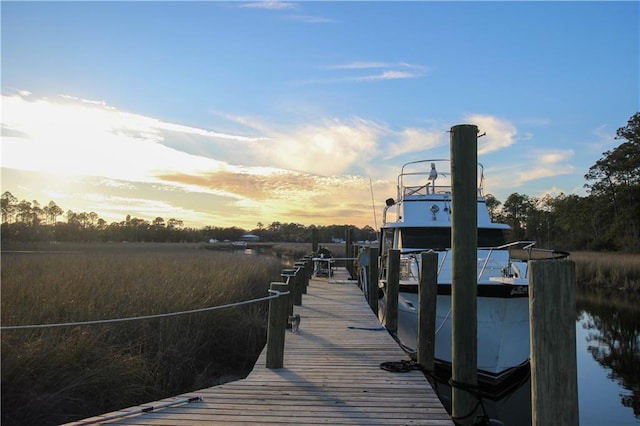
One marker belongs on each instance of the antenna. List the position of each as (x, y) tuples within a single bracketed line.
[(373, 204)]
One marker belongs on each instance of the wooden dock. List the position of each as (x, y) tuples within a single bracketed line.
[(331, 375)]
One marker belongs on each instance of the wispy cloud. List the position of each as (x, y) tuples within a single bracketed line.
[(97, 140), (359, 65), (361, 71), (387, 75), (286, 194), (327, 147), (500, 133), (269, 4), (542, 171), (542, 164), (555, 156), (415, 140), (604, 139), (288, 6), (369, 65)]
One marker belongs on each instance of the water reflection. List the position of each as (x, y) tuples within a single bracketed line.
[(612, 334), (512, 408), (608, 357)]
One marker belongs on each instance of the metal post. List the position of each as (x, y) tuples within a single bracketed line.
[(464, 242)]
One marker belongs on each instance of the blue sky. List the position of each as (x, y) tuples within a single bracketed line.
[(234, 113)]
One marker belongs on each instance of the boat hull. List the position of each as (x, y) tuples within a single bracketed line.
[(502, 330)]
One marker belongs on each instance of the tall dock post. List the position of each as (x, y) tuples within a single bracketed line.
[(393, 288), (306, 260), (348, 244), (427, 293), (372, 279), (299, 285), (288, 277), (464, 243), (315, 240), (552, 309), (276, 326)]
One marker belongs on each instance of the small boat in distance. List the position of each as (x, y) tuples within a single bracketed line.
[(422, 222)]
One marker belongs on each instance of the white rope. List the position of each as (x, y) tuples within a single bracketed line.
[(443, 321), (275, 294)]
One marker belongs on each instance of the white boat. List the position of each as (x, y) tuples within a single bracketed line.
[(422, 222)]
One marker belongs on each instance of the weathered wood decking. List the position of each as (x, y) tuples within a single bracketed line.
[(331, 375)]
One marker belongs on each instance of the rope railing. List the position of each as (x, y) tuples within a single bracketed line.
[(295, 283), (273, 295)]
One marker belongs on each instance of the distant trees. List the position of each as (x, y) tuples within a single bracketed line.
[(27, 221), (493, 205), (8, 202)]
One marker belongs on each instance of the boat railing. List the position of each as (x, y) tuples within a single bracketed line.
[(423, 190), (412, 254), (430, 177), (528, 247)]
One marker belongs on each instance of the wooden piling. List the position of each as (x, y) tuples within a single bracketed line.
[(298, 283), (276, 327), (393, 288), (427, 293), (315, 240), (372, 279), (348, 242), (464, 242), (552, 310), (306, 260), (288, 277)]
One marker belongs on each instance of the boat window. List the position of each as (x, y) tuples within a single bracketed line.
[(440, 238), (421, 238), (491, 237)]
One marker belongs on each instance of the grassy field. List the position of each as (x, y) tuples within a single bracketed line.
[(56, 375)]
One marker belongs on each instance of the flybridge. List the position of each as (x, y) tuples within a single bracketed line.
[(424, 197), (415, 180)]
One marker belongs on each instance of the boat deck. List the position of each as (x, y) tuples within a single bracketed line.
[(331, 375)]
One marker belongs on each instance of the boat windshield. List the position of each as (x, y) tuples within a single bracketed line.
[(440, 238)]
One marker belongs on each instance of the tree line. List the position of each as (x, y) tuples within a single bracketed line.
[(608, 218), (31, 222)]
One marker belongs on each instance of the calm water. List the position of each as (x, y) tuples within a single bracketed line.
[(608, 360), (608, 352)]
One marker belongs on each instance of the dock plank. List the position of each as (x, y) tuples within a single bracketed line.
[(331, 375)]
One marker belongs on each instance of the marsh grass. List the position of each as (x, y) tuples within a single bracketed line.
[(608, 271), (55, 375)]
